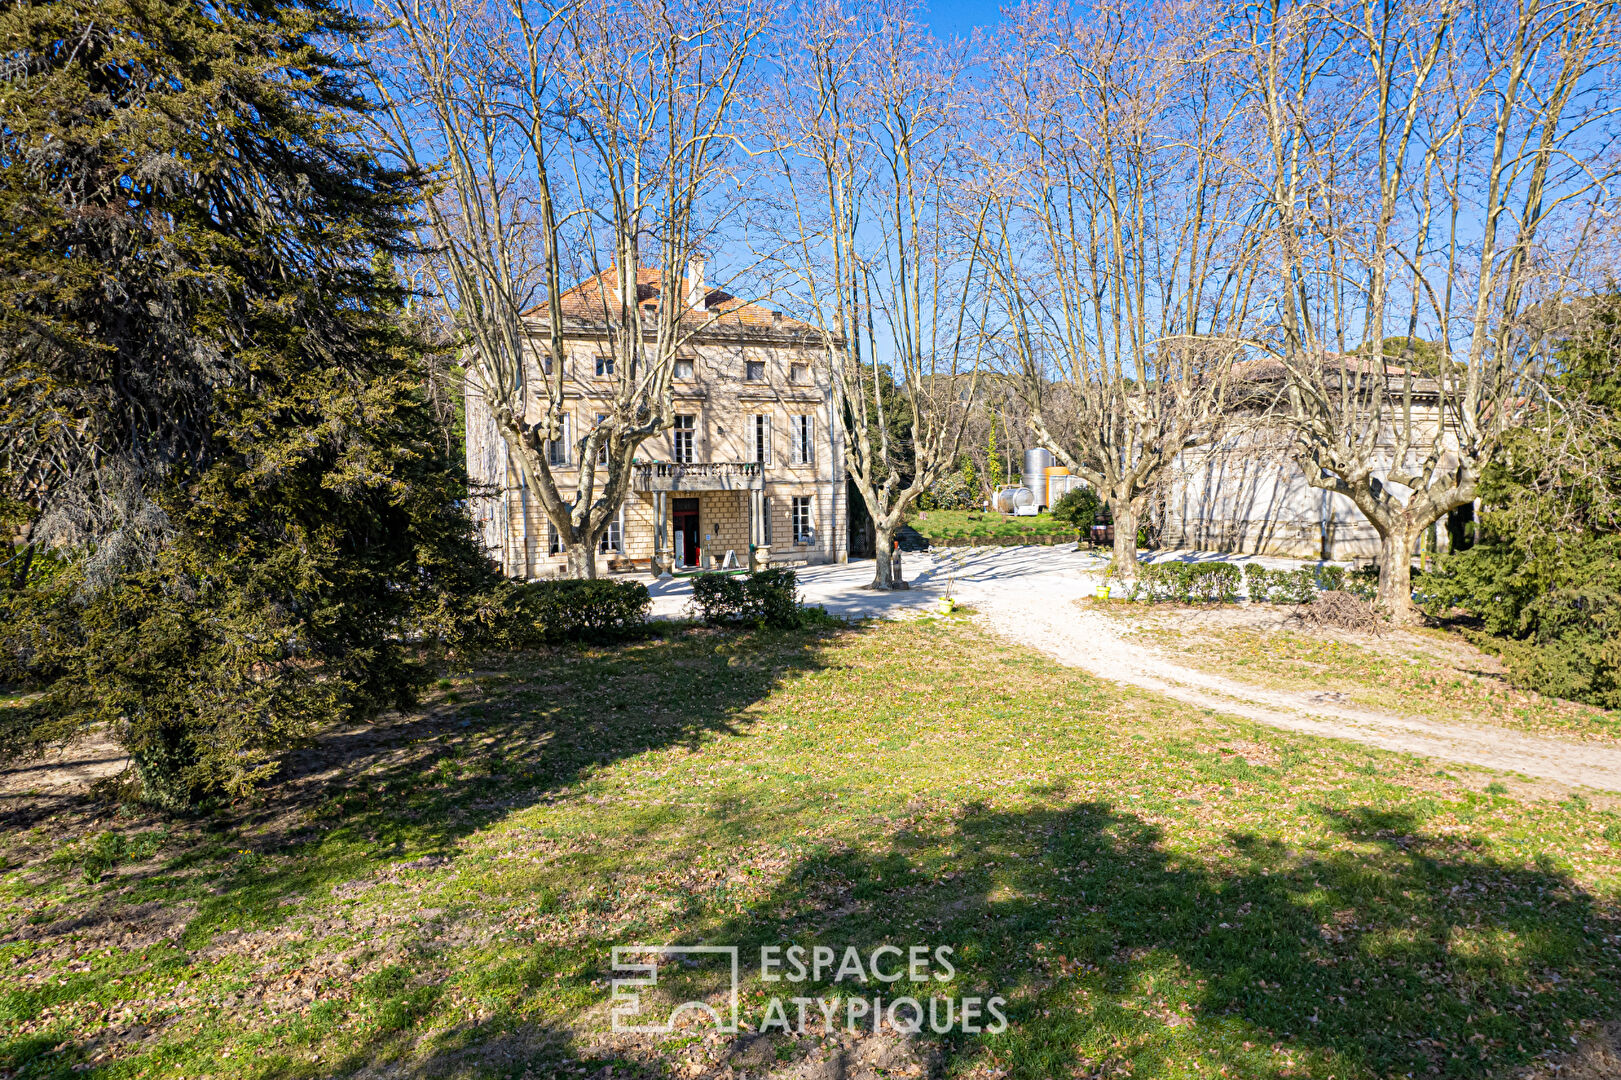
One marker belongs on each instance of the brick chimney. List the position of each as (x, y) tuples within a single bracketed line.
[(697, 292)]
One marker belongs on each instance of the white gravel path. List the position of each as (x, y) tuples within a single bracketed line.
[(1030, 595)]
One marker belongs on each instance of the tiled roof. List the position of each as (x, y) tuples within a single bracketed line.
[(588, 303)]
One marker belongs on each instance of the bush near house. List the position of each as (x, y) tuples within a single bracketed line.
[(1186, 583), (1079, 507), (1218, 583), (766, 598), (585, 610)]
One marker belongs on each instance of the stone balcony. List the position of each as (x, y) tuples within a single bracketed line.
[(698, 476)]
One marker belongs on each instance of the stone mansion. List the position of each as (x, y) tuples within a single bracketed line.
[(752, 463)]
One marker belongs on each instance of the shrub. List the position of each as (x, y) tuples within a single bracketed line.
[(1077, 507), (766, 598), (593, 610), (1257, 582), (950, 492), (1186, 583), (1300, 586)]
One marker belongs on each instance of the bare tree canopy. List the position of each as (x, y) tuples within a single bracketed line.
[(880, 217), (1124, 262), (587, 140), (1433, 173)]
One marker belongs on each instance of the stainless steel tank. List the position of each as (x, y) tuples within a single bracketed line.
[(1036, 463), (1008, 499)]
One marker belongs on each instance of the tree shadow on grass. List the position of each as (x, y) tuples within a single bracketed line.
[(1396, 952), (370, 803), (1399, 952)]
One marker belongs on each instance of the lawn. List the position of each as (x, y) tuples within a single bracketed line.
[(980, 524), (1431, 673), (1155, 891)]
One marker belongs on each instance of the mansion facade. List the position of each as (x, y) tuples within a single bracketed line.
[(749, 475)]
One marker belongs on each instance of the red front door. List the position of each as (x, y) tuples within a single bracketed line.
[(684, 515)]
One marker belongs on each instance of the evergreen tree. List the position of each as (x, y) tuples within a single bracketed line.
[(1544, 577), (238, 516)]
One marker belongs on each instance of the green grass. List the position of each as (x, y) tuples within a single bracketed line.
[(1445, 683), (955, 524), (1155, 890)]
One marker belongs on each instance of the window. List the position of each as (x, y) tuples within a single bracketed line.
[(799, 374), (681, 440), (760, 437), (804, 531), (754, 370), (804, 440), (683, 370), (765, 526), (557, 449), (554, 541), (605, 365), (602, 448), (613, 540)]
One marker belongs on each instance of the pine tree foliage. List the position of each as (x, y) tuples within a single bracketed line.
[(237, 515), (1545, 576)]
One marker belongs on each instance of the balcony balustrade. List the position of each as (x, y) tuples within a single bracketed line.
[(698, 476)]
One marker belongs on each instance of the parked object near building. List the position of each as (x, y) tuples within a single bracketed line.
[(750, 465)]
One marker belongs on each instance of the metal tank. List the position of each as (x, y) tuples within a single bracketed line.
[(1036, 464), (1009, 500)]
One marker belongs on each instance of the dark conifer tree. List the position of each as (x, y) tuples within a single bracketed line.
[(235, 515)]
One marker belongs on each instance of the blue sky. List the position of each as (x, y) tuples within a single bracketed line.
[(960, 17)]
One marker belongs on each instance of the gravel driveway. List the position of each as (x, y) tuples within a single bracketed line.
[(1031, 594)]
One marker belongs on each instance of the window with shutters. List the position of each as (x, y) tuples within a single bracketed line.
[(804, 526), (681, 439), (760, 438), (804, 440)]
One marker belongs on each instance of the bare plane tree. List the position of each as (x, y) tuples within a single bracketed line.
[(569, 138), (1124, 260), (879, 240), (1434, 176)]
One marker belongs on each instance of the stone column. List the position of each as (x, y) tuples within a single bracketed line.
[(661, 541)]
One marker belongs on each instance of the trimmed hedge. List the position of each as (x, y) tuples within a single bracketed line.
[(765, 598), (1301, 586), (1218, 582), (589, 610), (1187, 583)]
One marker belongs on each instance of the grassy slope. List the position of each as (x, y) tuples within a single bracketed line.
[(948, 524), (1411, 680), (1151, 887)]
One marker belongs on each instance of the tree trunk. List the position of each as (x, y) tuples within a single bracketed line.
[(883, 578), (582, 560), (1124, 564), (1395, 595)]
